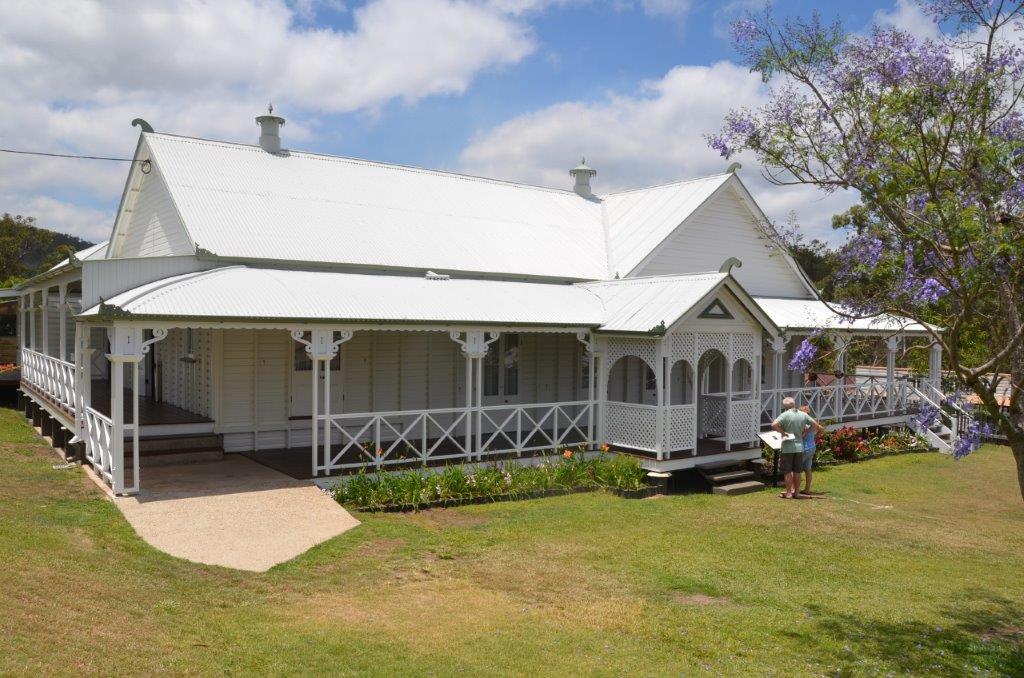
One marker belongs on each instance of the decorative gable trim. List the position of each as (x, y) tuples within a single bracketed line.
[(716, 310)]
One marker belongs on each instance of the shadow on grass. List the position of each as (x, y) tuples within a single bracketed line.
[(983, 635)]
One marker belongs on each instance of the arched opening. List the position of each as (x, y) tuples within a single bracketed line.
[(712, 395), (742, 380), (631, 380), (682, 383)]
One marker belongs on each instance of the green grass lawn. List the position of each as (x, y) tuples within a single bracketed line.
[(913, 566)]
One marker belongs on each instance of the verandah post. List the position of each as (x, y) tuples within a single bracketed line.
[(778, 355), (62, 300), (891, 344), (841, 342), (127, 346)]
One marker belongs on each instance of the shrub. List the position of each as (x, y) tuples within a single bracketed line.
[(569, 470), (845, 444)]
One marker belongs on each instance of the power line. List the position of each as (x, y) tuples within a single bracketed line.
[(68, 155)]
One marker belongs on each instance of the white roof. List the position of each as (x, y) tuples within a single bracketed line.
[(639, 220), (272, 294), (263, 294), (643, 304), (238, 201), (809, 314)]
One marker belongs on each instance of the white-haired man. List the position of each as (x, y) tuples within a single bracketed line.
[(792, 424)]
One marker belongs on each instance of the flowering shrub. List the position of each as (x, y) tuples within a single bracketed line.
[(419, 488), (7, 367), (845, 444)]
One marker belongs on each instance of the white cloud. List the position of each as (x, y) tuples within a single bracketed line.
[(908, 16), (90, 224), (73, 75), (648, 138)]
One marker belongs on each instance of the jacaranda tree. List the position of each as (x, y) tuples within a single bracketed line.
[(929, 133)]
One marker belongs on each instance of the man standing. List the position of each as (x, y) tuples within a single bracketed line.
[(792, 424)]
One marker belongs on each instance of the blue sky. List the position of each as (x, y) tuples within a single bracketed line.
[(515, 89)]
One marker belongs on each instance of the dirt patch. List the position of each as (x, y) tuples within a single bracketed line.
[(700, 600), (380, 547), (82, 540), (450, 517), (1004, 632)]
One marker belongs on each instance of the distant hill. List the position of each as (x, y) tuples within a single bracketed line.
[(26, 249)]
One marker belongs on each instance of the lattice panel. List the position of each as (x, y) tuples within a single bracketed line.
[(645, 349), (713, 415), (742, 424), (681, 347), (682, 427), (743, 346), (713, 340), (632, 426)]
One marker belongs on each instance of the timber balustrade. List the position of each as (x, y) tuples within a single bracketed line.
[(380, 439), (51, 377)]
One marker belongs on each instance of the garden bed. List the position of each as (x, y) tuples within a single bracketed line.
[(569, 472), (848, 446)]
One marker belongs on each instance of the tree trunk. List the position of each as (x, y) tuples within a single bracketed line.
[(1018, 455)]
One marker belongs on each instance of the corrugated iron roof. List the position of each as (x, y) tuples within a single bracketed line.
[(273, 294), (239, 201), (643, 304), (639, 220), (809, 314)]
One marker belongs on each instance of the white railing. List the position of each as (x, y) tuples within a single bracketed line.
[(528, 428), (382, 439), (841, 402), (99, 439), (52, 377), (632, 425), (682, 428)]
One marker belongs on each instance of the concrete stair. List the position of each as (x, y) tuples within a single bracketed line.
[(730, 478), (177, 449), (744, 487)]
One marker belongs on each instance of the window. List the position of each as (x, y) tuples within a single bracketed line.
[(511, 356), (501, 367)]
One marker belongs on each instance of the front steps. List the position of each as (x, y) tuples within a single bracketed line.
[(177, 449), (730, 478)]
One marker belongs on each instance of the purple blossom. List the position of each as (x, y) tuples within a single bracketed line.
[(926, 416), (744, 32), (805, 353), (970, 439), (930, 292)]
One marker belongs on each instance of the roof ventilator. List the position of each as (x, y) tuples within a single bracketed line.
[(270, 130)]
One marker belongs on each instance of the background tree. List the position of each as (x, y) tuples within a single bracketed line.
[(26, 249), (931, 136)]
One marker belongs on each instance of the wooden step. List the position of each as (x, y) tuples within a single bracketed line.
[(190, 457), (727, 476), (159, 445), (738, 488)]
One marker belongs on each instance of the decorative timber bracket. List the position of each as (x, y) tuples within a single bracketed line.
[(475, 344), (322, 345)]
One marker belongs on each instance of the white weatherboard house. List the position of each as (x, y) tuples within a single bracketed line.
[(324, 314)]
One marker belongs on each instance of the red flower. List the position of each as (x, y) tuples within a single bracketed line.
[(567, 454)]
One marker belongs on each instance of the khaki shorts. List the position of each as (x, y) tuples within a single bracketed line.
[(791, 462)]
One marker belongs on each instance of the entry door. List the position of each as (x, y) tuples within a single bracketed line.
[(501, 371), (302, 384)]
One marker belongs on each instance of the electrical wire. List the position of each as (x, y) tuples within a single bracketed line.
[(68, 155)]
